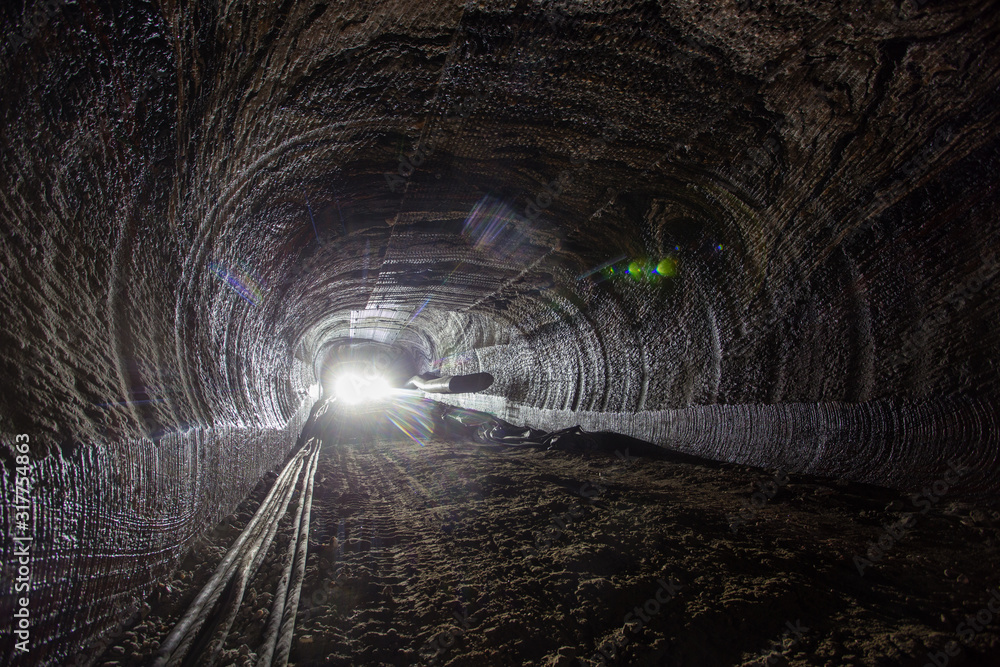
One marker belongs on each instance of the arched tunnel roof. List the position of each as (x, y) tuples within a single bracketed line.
[(759, 233), (199, 200)]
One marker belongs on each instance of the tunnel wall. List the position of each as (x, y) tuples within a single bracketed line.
[(111, 521), (872, 358), (859, 442), (198, 197)]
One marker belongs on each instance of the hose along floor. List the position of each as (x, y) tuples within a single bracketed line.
[(484, 544), (198, 638)]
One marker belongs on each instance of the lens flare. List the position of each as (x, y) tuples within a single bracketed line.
[(413, 416), (667, 267), (354, 389)]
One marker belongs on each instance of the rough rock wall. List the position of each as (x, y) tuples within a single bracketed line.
[(110, 521), (198, 197)]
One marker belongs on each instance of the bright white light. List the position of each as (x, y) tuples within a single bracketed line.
[(354, 389), (314, 391)]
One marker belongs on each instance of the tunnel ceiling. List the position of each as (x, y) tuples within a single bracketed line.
[(199, 197)]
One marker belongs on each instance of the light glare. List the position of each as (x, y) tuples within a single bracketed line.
[(355, 389)]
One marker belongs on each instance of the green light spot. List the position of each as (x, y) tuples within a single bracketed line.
[(667, 267)]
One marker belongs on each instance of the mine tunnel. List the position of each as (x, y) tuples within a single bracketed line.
[(500, 333)]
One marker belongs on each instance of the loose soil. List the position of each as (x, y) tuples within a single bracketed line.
[(463, 554)]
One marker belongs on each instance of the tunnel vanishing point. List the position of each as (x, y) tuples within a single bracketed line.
[(760, 235)]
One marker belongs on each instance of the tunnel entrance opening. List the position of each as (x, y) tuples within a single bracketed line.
[(362, 371)]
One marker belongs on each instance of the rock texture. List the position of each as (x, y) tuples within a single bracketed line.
[(199, 199), (449, 554)]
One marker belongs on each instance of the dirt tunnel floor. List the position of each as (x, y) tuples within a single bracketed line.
[(465, 554)]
